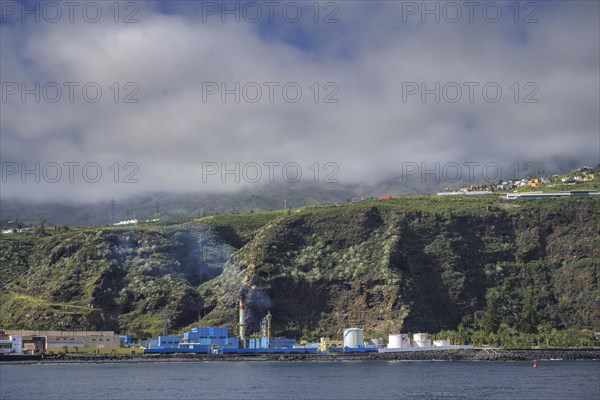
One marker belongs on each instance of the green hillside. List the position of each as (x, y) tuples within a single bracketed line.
[(111, 278), (422, 263), (412, 263)]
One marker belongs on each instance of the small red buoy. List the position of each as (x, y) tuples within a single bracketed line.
[(534, 363)]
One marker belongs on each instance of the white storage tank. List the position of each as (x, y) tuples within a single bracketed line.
[(394, 342), (441, 343), (353, 337), (398, 341), (421, 340)]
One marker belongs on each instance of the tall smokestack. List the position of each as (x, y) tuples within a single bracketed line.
[(242, 321), (269, 324)]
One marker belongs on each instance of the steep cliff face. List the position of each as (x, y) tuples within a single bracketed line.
[(416, 263), (393, 265)]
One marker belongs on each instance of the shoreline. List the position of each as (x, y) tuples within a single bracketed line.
[(497, 355)]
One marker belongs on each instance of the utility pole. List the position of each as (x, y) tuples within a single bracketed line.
[(165, 321), (112, 211)]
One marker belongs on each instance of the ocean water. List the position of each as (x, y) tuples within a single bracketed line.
[(572, 380)]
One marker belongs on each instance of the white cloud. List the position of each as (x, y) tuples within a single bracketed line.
[(368, 54)]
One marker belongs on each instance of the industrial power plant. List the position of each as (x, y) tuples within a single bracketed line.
[(217, 340)]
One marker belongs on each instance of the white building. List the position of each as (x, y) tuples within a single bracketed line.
[(126, 222), (11, 344)]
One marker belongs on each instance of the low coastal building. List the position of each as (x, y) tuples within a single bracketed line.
[(5, 343), (72, 340), (546, 195)]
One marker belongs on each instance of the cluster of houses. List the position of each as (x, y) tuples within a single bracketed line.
[(509, 185), (127, 222), (24, 231), (584, 174), (533, 182), (134, 221)]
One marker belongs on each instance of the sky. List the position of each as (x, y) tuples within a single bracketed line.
[(105, 101)]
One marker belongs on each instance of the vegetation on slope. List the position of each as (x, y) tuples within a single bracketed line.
[(112, 278), (425, 263), (466, 264), (238, 229)]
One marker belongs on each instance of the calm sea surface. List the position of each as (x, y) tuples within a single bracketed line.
[(573, 380)]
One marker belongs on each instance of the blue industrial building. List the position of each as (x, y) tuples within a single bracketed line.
[(199, 340), (216, 340), (207, 332), (209, 336), (271, 343), (168, 341)]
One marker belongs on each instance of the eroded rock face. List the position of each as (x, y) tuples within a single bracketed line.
[(387, 268)]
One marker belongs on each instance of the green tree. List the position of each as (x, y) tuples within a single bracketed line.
[(529, 318), (40, 230), (546, 333), (491, 318), (585, 338)]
